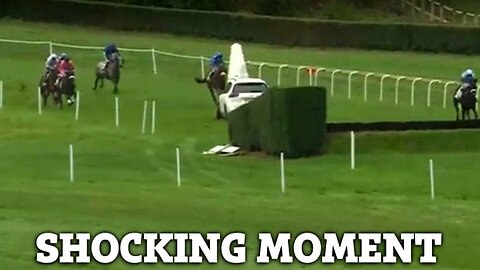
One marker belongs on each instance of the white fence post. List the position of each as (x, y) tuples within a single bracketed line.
[(282, 171), (332, 82), (144, 118), (50, 47), (430, 91), (432, 181), (1, 94), (310, 74), (381, 85), (352, 149), (154, 62), (397, 86), (77, 106), (412, 102), (202, 67), (179, 178), (445, 91), (153, 116), (279, 75), (298, 74), (39, 96), (71, 162), (350, 83), (365, 86), (316, 75), (260, 67), (117, 113)]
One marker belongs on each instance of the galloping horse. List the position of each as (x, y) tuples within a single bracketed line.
[(112, 72), (47, 87), (215, 81), (466, 97), (67, 88)]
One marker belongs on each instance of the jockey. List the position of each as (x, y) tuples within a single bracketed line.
[(65, 65), (51, 63), (468, 77), (217, 64), (469, 83), (108, 51)]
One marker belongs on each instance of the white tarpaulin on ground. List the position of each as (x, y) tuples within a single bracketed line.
[(237, 68), (223, 150)]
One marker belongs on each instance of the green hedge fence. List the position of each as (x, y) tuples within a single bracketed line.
[(288, 120)]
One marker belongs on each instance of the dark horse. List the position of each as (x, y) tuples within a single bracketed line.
[(466, 97), (67, 88), (112, 72), (47, 88), (215, 81)]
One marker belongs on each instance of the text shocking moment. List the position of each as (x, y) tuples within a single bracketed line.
[(193, 248)]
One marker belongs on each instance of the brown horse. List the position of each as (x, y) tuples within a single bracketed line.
[(112, 72), (67, 88), (215, 80), (47, 87)]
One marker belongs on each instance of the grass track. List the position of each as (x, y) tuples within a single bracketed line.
[(126, 182)]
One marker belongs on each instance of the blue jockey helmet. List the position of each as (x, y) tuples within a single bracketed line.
[(468, 73), (216, 59)]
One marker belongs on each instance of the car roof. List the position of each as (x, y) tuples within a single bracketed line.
[(248, 80)]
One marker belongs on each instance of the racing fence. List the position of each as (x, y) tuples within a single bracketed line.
[(313, 72), (437, 12)]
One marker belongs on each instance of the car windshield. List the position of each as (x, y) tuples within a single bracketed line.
[(249, 88)]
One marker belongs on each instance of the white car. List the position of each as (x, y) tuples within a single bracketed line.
[(240, 92)]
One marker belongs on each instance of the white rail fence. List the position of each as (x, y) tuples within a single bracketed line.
[(314, 71), (438, 12)]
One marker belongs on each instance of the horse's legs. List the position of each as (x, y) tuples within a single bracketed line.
[(96, 82), (214, 97), (57, 97), (455, 103), (101, 83), (115, 88), (464, 113), (45, 95)]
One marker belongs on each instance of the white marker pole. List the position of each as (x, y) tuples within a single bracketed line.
[(432, 181), (71, 163), (77, 108), (202, 65), (1, 94), (153, 116), (144, 119), (178, 168), (154, 62), (352, 149), (50, 46), (117, 120), (282, 171), (39, 101)]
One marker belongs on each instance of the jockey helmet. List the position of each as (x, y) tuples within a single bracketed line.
[(216, 59), (54, 56), (468, 73), (64, 56)]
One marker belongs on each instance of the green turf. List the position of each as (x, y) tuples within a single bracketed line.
[(125, 181)]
